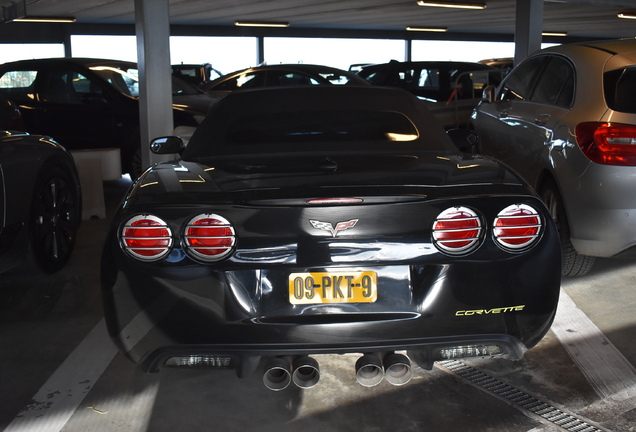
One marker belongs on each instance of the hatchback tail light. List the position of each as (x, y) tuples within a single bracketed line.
[(457, 230), (146, 238), (517, 227), (209, 237), (608, 143)]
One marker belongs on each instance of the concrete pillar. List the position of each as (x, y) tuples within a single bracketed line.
[(408, 50), (528, 28), (260, 51), (155, 74)]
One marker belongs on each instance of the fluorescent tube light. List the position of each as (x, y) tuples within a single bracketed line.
[(427, 29), (32, 19), (546, 33), (452, 5), (260, 24)]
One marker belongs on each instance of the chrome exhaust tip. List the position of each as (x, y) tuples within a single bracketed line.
[(277, 374), (306, 372), (397, 369), (369, 371)]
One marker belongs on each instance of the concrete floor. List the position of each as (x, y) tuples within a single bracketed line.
[(60, 372)]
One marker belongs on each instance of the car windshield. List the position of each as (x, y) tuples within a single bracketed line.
[(126, 80)]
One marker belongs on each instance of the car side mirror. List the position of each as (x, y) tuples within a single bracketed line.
[(488, 94), (464, 139), (167, 145)]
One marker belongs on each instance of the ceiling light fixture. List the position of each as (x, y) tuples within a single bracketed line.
[(546, 33), (32, 19), (452, 5), (260, 24), (627, 15), (427, 29)]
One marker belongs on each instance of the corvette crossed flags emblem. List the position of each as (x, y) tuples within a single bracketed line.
[(340, 226)]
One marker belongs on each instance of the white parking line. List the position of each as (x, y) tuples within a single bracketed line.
[(56, 401), (606, 369)]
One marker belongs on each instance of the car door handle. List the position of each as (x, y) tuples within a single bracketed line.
[(542, 119)]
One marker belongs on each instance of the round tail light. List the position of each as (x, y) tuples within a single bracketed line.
[(209, 237), (146, 238), (517, 227), (457, 230)]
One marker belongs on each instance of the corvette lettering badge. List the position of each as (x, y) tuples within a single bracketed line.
[(340, 226)]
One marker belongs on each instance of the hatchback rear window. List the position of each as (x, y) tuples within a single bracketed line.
[(620, 89)]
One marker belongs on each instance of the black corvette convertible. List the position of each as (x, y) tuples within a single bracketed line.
[(304, 221)]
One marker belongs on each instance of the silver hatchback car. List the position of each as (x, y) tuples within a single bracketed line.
[(565, 119)]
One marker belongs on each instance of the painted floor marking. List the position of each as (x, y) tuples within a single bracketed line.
[(608, 371), (56, 401)]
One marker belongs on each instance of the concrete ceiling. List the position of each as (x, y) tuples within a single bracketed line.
[(579, 18)]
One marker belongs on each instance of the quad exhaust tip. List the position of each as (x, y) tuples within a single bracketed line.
[(372, 368), (303, 371), (306, 372), (369, 370), (397, 369), (277, 374)]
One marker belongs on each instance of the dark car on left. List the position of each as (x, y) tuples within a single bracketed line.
[(40, 199), (90, 103)]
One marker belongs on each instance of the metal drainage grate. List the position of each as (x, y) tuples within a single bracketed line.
[(520, 398)]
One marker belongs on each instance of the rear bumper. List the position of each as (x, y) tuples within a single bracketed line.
[(601, 209), (604, 232), (198, 313), (245, 359)]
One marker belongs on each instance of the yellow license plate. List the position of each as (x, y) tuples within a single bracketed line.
[(333, 287)]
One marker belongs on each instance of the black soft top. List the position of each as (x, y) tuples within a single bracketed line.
[(257, 116)]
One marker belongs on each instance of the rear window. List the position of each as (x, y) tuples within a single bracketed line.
[(620, 89), (124, 81), (18, 85), (300, 131), (333, 126), (18, 79)]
